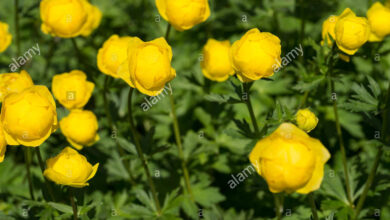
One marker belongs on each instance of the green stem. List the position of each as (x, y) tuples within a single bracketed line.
[(304, 99), (27, 158), (49, 56), (313, 206), (42, 166), (278, 205), (73, 203), (16, 20), (374, 168), (176, 129), (113, 127), (250, 108), (338, 128), (140, 152)]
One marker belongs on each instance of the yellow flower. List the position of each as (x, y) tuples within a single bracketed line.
[(306, 120), (68, 18), (290, 160), (184, 14), (216, 63), (72, 89), (5, 37), (379, 20), (70, 168), (351, 32), (328, 29), (14, 82), (3, 143), (113, 54), (256, 55), (93, 21), (80, 128), (29, 117), (148, 65)]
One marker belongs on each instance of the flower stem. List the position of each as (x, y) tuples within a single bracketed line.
[(113, 127), (16, 20), (250, 108), (338, 126), (140, 152), (42, 166), (176, 129), (73, 203), (374, 168), (278, 205), (313, 206), (27, 158)]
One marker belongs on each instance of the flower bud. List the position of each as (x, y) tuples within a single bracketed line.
[(29, 117), (148, 65), (3, 143), (184, 14), (68, 18), (290, 160), (306, 120), (70, 168), (256, 55), (379, 20), (328, 29), (216, 63), (14, 83), (351, 32), (5, 37), (80, 128), (72, 89), (113, 54)]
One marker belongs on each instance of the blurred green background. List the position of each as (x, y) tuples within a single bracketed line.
[(214, 144)]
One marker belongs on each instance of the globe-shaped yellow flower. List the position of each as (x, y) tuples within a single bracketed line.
[(80, 128), (216, 64), (148, 65), (68, 18), (5, 37), (14, 83), (256, 55), (290, 160), (328, 29), (351, 32), (184, 14), (306, 119), (3, 143), (29, 117), (113, 54), (379, 19), (70, 168), (72, 89)]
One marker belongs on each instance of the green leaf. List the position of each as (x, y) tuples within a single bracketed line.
[(61, 207), (220, 99)]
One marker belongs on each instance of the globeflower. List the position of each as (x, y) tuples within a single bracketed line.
[(80, 128), (379, 19), (14, 83), (72, 89), (351, 32), (5, 37), (306, 119), (29, 117), (184, 14), (68, 18), (290, 160), (328, 29), (148, 65), (70, 168), (216, 63), (3, 144), (256, 55)]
